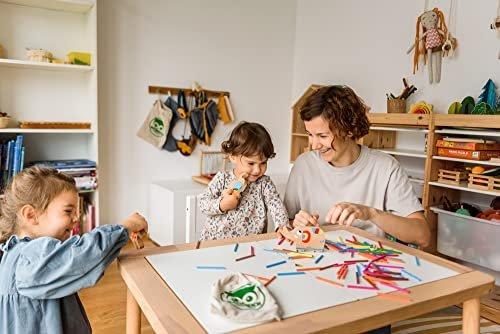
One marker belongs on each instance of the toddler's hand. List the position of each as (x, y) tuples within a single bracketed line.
[(230, 200), (135, 223)]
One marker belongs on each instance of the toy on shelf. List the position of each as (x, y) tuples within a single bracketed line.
[(78, 58), (210, 164), (452, 176), (487, 103), (39, 55), (493, 212), (421, 107), (484, 182), (431, 28), (54, 125), (397, 104), (2, 51), (310, 238), (4, 120)]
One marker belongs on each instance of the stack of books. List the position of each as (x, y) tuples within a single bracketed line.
[(11, 159), (83, 171), (468, 148), (86, 213)]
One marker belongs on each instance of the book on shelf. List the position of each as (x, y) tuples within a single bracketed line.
[(66, 164), (82, 170), (470, 146), (11, 159), (469, 140), (86, 217), (467, 154)]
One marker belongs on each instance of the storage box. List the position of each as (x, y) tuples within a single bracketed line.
[(467, 238)]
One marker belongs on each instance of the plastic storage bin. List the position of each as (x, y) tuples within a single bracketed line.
[(467, 238)]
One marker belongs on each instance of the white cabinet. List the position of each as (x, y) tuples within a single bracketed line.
[(167, 210)]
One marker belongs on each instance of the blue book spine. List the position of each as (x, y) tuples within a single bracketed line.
[(16, 165), (22, 159)]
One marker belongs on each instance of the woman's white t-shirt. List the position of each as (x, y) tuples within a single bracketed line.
[(375, 179)]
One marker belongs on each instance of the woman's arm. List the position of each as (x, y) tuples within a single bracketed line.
[(410, 229)]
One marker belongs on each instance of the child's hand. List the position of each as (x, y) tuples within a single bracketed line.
[(135, 223), (230, 200)]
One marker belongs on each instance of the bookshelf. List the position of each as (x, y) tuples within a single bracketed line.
[(35, 91)]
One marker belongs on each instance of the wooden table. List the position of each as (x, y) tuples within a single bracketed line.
[(167, 314)]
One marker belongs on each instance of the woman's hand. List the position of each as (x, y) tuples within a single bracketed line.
[(303, 218), (135, 223), (230, 200), (345, 213)]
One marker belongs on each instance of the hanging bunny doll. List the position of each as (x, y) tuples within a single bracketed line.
[(434, 29)]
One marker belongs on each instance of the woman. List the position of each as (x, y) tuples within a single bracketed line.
[(341, 182)]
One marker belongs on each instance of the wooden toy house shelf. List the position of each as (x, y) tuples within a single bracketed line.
[(383, 136)]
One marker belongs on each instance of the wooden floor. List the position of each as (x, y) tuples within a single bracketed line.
[(105, 303), (105, 306)]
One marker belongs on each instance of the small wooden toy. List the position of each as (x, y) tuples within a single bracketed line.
[(136, 239), (240, 184), (304, 237)]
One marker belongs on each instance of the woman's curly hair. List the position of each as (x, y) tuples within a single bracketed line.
[(249, 139), (344, 111)]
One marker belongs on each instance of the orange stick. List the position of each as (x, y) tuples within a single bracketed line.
[(309, 268), (319, 278), (269, 281)]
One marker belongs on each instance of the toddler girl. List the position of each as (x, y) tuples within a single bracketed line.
[(231, 213)]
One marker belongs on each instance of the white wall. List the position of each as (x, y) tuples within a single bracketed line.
[(363, 44), (244, 47)]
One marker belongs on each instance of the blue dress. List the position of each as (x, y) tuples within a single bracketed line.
[(40, 278)]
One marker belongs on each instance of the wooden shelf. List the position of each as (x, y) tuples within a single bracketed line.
[(415, 180), (399, 119), (478, 132), (470, 121), (399, 129), (463, 187), (403, 152), (54, 131), (25, 64), (475, 162), (74, 6)]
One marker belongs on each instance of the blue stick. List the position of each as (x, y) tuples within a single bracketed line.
[(411, 275), (417, 260), (236, 247), (290, 273), (275, 264), (211, 267), (319, 259)]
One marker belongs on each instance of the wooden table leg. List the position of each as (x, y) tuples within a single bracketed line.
[(470, 314), (133, 323)]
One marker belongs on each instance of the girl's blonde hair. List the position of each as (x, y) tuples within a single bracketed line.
[(35, 186)]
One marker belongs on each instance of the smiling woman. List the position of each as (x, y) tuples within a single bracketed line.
[(341, 182)]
